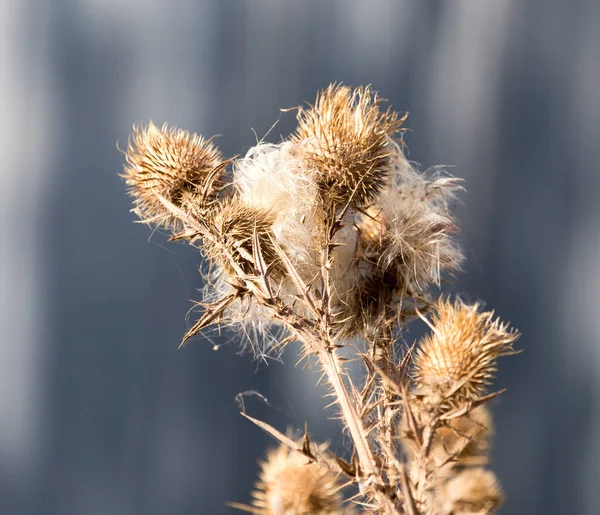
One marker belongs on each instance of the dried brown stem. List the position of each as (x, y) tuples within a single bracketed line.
[(371, 481)]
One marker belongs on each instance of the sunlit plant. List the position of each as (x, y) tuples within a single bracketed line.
[(332, 239)]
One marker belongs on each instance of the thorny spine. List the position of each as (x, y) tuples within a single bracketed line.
[(333, 236)]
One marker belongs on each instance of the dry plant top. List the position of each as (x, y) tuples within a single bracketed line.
[(331, 238)]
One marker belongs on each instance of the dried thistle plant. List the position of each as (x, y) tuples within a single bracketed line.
[(332, 239)]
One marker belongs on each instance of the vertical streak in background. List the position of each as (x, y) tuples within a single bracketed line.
[(27, 140), (371, 39), (463, 82), (118, 432), (580, 325), (510, 93)]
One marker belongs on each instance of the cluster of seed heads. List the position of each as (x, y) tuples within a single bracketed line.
[(332, 239)]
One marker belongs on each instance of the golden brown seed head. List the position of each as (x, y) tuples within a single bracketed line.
[(172, 164), (405, 245), (473, 491), (233, 226), (344, 137), (291, 485), (373, 303), (458, 359)]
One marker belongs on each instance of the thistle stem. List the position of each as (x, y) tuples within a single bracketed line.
[(332, 367)]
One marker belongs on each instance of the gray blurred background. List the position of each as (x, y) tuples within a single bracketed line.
[(99, 412)]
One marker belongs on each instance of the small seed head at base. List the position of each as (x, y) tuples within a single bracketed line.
[(344, 137), (473, 491), (457, 361), (289, 484), (174, 165)]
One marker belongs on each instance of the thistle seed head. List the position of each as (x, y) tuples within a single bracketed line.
[(458, 359), (405, 244), (374, 304), (172, 164), (273, 177), (344, 138), (289, 484), (474, 491), (417, 243), (233, 227)]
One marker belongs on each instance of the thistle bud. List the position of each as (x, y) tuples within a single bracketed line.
[(173, 165), (233, 228), (474, 491), (289, 484), (458, 359), (344, 138)]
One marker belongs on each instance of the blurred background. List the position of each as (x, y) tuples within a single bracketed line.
[(99, 411)]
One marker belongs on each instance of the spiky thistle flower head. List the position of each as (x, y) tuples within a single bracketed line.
[(473, 491), (289, 484), (458, 359), (238, 243), (344, 137), (171, 164), (233, 229), (277, 177)]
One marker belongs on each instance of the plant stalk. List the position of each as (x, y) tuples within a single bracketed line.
[(332, 367)]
